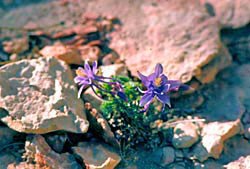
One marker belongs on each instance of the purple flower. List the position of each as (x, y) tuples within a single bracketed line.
[(88, 77), (158, 86)]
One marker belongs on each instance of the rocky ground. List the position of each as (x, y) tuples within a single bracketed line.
[(203, 43)]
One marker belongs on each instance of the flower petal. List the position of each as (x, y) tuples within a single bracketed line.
[(87, 68), (94, 67), (146, 98), (144, 79), (158, 69), (164, 98), (80, 80), (174, 85)]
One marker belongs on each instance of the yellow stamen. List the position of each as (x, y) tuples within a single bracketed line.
[(80, 73), (158, 81)]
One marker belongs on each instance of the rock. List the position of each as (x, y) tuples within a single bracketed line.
[(97, 155), (69, 54), (213, 137), (238, 43), (90, 97), (209, 164), (225, 130), (110, 58), (230, 13), (114, 70), (100, 126), (24, 165), (56, 141), (163, 156), (38, 151), (83, 30), (180, 34), (90, 53), (247, 131), (185, 135), (7, 159), (241, 163), (16, 46), (228, 97), (40, 97), (7, 135), (234, 148)]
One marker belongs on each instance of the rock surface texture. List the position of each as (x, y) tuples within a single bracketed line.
[(40, 97)]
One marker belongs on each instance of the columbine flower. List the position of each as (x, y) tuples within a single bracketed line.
[(88, 77), (158, 86)]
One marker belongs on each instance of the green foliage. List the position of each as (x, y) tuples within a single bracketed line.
[(129, 123)]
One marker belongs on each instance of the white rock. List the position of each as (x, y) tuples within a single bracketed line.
[(40, 97)]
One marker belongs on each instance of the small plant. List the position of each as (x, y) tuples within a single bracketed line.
[(129, 114)]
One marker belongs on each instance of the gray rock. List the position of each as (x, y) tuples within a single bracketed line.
[(6, 135), (163, 156), (185, 135), (228, 97), (40, 97)]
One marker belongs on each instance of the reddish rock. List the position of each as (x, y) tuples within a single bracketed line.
[(68, 54), (63, 33), (38, 151), (83, 30), (16, 45), (180, 34)]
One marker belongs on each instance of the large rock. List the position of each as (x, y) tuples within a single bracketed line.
[(97, 155), (230, 13), (178, 34), (40, 96)]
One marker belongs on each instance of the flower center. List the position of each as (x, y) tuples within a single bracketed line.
[(157, 82), (80, 73)]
